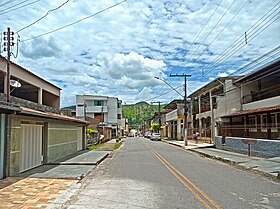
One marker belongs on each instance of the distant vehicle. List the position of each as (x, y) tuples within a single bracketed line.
[(155, 137), (148, 134)]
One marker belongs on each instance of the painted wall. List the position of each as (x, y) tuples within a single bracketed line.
[(263, 147), (62, 140), (2, 139), (262, 103), (15, 139)]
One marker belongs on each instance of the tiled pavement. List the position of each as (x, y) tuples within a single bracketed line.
[(29, 193)]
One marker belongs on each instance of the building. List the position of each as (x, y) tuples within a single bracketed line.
[(258, 118), (237, 112), (33, 132), (174, 122), (108, 110), (209, 103)]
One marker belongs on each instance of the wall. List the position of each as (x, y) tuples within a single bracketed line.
[(2, 139), (112, 110), (62, 140), (230, 102), (262, 103), (15, 139), (263, 147)]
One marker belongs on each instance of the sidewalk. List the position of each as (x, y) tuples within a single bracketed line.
[(269, 167), (41, 186)]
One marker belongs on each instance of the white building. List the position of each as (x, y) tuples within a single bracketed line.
[(108, 110)]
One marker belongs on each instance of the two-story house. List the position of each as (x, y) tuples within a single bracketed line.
[(175, 119), (209, 103), (108, 110), (33, 132), (259, 114)]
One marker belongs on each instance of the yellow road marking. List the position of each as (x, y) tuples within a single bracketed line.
[(177, 174)]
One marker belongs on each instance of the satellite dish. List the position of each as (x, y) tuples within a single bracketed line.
[(15, 84)]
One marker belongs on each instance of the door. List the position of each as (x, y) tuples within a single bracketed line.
[(31, 146)]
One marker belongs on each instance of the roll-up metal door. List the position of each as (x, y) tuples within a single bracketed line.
[(31, 146)]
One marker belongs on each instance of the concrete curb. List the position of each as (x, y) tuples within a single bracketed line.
[(81, 163), (235, 164)]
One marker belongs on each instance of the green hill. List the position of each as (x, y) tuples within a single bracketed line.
[(137, 113)]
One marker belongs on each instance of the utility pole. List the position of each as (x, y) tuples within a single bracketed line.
[(185, 105), (159, 115), (8, 42)]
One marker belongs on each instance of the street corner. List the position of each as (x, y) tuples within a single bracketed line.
[(18, 192)]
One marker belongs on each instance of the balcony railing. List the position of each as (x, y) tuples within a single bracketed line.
[(29, 104), (262, 94), (205, 107)]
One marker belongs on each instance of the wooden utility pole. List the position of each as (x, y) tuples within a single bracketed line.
[(185, 105), (159, 116)]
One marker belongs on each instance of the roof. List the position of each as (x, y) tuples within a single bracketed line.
[(32, 73), (28, 111), (212, 84), (271, 67), (254, 111), (73, 107), (173, 104)]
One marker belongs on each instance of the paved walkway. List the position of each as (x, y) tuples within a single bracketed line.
[(30, 192), (39, 187), (269, 167)]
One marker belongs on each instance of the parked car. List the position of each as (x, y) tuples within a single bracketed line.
[(155, 137), (147, 134)]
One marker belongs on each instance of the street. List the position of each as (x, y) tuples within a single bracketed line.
[(150, 174)]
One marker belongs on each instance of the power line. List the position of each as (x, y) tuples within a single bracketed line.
[(50, 11), (238, 44), (223, 29), (7, 2), (20, 7), (205, 24), (73, 23), (213, 27), (14, 5)]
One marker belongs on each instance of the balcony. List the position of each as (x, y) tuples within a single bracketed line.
[(262, 94), (205, 107), (97, 109)]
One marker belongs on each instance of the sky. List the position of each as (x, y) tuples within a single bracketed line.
[(117, 48)]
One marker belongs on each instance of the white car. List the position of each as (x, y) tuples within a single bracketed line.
[(155, 137)]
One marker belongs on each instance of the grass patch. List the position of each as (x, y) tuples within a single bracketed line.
[(105, 146)]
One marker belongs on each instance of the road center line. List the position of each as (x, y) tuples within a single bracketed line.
[(181, 178)]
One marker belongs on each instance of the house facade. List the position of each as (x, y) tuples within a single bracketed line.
[(175, 119), (33, 132), (209, 103), (108, 110), (259, 115)]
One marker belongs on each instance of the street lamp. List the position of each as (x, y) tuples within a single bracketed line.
[(185, 103)]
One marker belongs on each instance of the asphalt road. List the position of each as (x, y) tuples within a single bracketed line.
[(149, 174)]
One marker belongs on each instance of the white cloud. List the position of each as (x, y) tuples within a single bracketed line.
[(119, 51)]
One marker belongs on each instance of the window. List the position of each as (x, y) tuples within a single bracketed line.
[(119, 116), (98, 103), (252, 124), (263, 121), (119, 105), (273, 121)]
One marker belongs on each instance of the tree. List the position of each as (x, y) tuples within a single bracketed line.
[(155, 127)]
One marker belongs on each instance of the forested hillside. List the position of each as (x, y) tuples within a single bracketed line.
[(137, 113)]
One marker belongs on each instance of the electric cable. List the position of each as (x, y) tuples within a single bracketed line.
[(73, 23)]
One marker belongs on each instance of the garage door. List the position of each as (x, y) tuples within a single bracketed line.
[(31, 146)]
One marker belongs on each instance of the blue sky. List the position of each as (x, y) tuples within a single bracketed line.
[(119, 51)]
